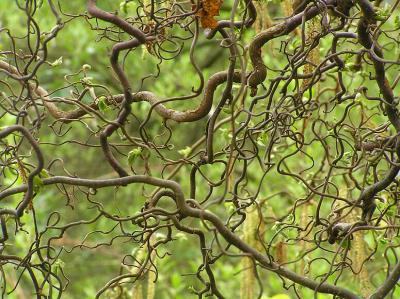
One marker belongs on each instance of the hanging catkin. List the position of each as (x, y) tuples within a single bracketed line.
[(313, 27), (288, 7), (252, 230), (358, 253), (263, 20)]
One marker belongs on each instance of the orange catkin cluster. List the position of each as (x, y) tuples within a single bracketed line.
[(210, 9)]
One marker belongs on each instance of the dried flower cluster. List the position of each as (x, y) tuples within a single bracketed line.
[(208, 12)]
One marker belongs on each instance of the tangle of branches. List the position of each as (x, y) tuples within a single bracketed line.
[(284, 153)]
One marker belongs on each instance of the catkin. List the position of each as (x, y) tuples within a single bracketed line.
[(312, 29), (252, 230), (263, 20)]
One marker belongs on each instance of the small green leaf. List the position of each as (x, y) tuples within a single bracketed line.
[(277, 226), (59, 265), (391, 212), (226, 110), (87, 80), (185, 152), (262, 138), (133, 154), (57, 62), (230, 207), (44, 174), (125, 6), (345, 243), (383, 241), (43, 37), (397, 21), (37, 184), (358, 98), (102, 104), (382, 14)]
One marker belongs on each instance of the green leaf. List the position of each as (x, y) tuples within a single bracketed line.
[(383, 241), (57, 62), (345, 243), (87, 80), (37, 184), (262, 138), (230, 207), (358, 98), (59, 265), (397, 21), (277, 226), (185, 152), (289, 218), (226, 110), (125, 6), (44, 174), (102, 104), (382, 14), (391, 212), (133, 154)]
